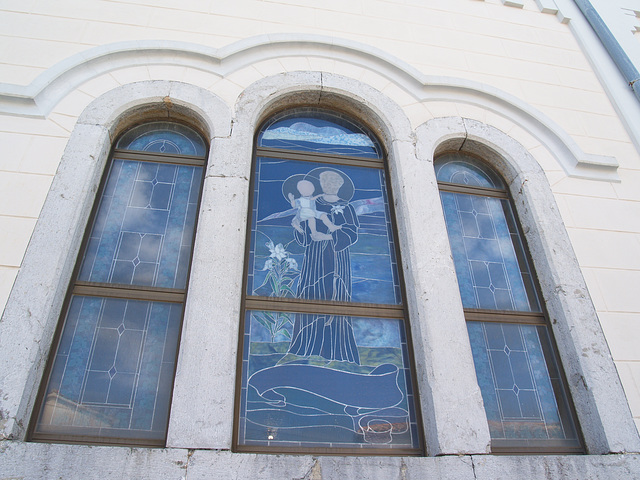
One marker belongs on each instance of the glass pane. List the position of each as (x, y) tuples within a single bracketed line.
[(163, 137), (488, 255), (292, 396), (143, 229), (113, 370), (317, 131), (520, 383), (465, 170), (321, 233)]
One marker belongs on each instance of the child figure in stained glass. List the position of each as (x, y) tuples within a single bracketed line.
[(306, 210)]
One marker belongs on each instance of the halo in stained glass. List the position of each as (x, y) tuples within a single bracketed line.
[(466, 170), (315, 130), (163, 137)]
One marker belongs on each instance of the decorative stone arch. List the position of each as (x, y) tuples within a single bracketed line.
[(34, 305), (435, 348), (599, 400)]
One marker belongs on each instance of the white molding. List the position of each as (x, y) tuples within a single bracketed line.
[(547, 6), (40, 97)]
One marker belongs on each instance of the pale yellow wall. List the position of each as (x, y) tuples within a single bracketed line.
[(523, 52)]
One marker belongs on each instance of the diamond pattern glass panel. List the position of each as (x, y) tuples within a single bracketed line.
[(519, 381), (113, 371), (144, 225), (492, 272)]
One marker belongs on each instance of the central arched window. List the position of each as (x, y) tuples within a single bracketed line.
[(325, 362)]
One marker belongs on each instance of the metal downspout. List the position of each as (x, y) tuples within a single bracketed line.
[(618, 55)]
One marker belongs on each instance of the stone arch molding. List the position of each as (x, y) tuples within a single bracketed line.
[(40, 97), (31, 314), (598, 397)]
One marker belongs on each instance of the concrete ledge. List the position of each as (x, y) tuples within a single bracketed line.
[(28, 461)]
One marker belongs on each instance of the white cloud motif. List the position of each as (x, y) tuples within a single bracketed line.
[(302, 131)]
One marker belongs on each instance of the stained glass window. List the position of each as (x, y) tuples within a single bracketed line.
[(523, 392), (111, 377), (325, 351)]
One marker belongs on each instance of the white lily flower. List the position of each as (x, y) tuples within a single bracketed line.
[(278, 252)]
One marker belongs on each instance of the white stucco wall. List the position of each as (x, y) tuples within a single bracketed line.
[(519, 69)]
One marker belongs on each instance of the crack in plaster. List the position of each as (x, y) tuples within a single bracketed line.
[(473, 467), (314, 472)]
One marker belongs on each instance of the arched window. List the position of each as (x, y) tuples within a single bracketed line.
[(110, 375), (516, 364), (325, 361)]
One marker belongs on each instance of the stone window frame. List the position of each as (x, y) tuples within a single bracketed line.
[(40, 289), (535, 317), (594, 385), (34, 305), (114, 291)]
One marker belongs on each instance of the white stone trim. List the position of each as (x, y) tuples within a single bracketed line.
[(40, 97), (597, 393)]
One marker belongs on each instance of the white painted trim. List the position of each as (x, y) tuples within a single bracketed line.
[(547, 6), (40, 97)]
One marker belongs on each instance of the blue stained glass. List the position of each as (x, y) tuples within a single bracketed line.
[(465, 170), (288, 399), (317, 131), (143, 229), (489, 274), (515, 380), (109, 383), (163, 137), (349, 236)]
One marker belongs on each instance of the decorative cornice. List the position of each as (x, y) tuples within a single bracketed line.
[(40, 97)]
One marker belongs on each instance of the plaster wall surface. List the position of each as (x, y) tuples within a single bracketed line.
[(520, 53)]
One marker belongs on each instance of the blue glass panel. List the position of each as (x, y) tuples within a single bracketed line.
[(163, 137), (489, 273), (322, 233), (293, 398), (316, 131), (515, 371), (465, 170), (106, 381), (143, 230)]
